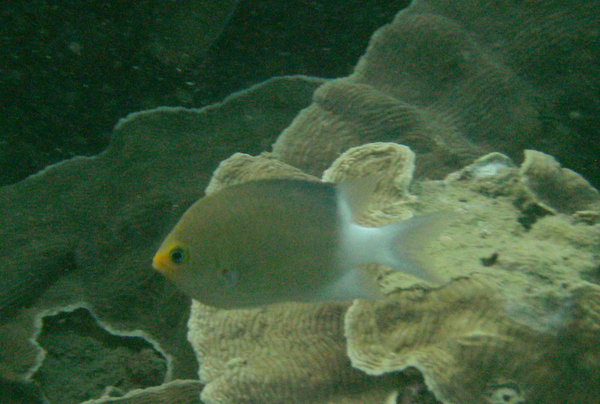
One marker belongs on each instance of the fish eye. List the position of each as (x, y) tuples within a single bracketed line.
[(177, 255)]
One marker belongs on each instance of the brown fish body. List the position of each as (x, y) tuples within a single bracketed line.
[(259, 243), (270, 241)]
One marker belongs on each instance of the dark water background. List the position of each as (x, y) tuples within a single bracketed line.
[(71, 69)]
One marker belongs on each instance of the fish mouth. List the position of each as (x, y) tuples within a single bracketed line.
[(159, 262)]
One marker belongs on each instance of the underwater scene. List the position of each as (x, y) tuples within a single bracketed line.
[(300, 202)]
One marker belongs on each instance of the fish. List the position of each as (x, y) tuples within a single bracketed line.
[(278, 240)]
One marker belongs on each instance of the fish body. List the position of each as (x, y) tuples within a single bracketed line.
[(277, 240)]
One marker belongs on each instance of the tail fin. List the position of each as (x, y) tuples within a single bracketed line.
[(400, 246), (403, 244)]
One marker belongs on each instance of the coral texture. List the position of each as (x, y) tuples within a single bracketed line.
[(83, 356), (175, 392), (516, 320), (454, 81), (518, 317), (83, 232), (293, 352), (556, 188)]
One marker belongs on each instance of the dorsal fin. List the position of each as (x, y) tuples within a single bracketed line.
[(354, 195)]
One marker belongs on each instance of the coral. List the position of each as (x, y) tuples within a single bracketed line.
[(515, 321), (471, 345), (518, 327), (81, 357), (555, 188), (83, 232), (288, 353), (242, 168), (392, 165), (450, 80), (175, 392), (456, 81)]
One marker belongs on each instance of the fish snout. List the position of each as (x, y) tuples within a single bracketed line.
[(161, 262)]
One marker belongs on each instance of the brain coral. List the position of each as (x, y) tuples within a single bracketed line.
[(456, 80), (517, 320)]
